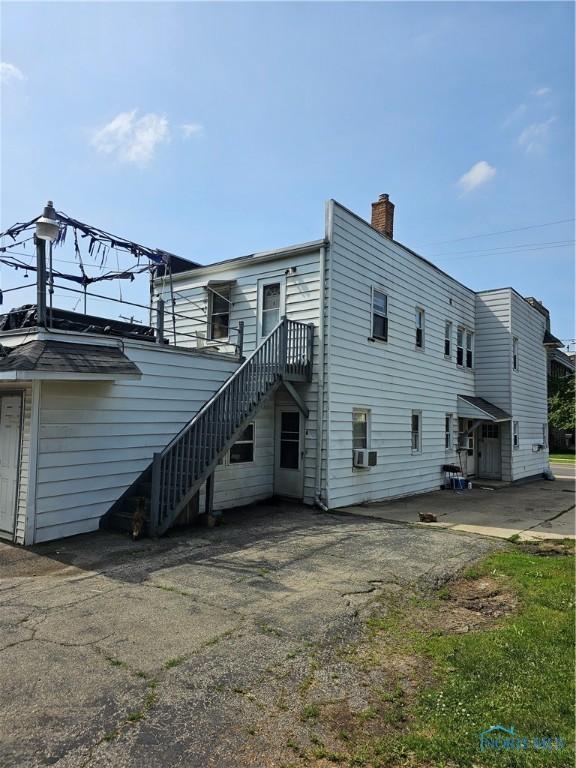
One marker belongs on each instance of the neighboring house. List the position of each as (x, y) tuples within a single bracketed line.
[(560, 365), (366, 370)]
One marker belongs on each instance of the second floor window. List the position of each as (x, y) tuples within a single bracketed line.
[(469, 348), (270, 307), (515, 354), (448, 339), (416, 431), (219, 313), (379, 315), (419, 317)]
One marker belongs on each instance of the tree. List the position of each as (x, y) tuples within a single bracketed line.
[(561, 403)]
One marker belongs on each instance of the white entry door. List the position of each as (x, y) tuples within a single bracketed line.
[(288, 473), (489, 454), (10, 417)]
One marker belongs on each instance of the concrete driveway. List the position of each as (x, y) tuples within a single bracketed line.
[(540, 509), (181, 652)]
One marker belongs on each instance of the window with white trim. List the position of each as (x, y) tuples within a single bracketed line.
[(448, 339), (460, 347), (219, 312), (545, 435), (448, 431), (416, 431), (516, 434), (515, 361), (419, 318), (469, 349), (379, 315), (242, 452), (360, 428)]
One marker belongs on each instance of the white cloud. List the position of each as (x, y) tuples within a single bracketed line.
[(535, 137), (544, 91), (10, 72), (191, 129), (514, 115), (479, 174), (132, 139)]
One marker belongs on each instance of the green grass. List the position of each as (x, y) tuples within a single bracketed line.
[(520, 674), (563, 458)]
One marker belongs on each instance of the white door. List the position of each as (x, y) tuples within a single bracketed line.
[(10, 411), (288, 474), (489, 455)]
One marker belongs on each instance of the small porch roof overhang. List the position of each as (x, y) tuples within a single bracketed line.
[(64, 361), (479, 409)]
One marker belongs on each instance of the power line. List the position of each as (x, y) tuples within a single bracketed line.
[(506, 247), (501, 232)]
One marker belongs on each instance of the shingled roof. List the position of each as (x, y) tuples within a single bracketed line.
[(489, 409), (62, 357)]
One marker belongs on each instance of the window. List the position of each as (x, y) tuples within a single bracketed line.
[(419, 328), (490, 431), (360, 428), (270, 307), (219, 312), (469, 360), (448, 339), (545, 435), (242, 452), (416, 431), (448, 431), (379, 315), (516, 435), (515, 354), (460, 346)]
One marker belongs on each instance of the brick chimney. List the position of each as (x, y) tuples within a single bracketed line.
[(383, 216)]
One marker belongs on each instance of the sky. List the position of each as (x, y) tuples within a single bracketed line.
[(214, 130)]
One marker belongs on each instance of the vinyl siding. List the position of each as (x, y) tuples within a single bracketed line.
[(529, 388), (494, 347), (24, 467), (302, 303), (392, 378), (96, 437)]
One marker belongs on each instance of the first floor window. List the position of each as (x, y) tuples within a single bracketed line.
[(270, 307), (448, 431), (448, 339), (242, 452), (516, 435), (545, 435), (219, 314), (469, 361), (416, 431), (360, 429), (460, 346), (419, 328), (379, 315)]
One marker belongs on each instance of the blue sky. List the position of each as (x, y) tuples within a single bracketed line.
[(216, 130)]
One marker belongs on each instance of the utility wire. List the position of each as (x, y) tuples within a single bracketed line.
[(505, 247), (501, 232)]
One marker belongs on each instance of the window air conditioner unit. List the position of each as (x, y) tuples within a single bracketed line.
[(365, 458)]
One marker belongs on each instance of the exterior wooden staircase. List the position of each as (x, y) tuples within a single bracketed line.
[(165, 489)]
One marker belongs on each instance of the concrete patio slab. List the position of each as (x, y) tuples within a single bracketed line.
[(539, 509)]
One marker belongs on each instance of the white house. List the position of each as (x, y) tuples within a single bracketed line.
[(364, 370)]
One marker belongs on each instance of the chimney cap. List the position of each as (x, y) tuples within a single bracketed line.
[(384, 196)]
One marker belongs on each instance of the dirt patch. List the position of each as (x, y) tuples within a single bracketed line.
[(549, 548)]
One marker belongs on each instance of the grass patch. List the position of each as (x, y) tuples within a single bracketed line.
[(175, 662), (569, 457), (310, 712), (517, 674)]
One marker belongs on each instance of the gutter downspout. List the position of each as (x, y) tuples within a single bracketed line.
[(320, 415)]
